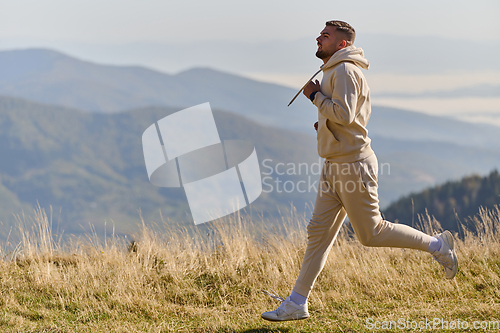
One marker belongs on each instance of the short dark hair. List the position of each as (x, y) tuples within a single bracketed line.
[(344, 28)]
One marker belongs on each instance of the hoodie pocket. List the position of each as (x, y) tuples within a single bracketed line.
[(328, 144)]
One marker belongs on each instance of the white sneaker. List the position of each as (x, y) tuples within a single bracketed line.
[(446, 255), (288, 309)]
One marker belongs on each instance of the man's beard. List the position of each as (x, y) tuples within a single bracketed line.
[(321, 54)]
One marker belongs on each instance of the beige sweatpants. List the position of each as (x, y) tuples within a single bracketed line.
[(350, 189)]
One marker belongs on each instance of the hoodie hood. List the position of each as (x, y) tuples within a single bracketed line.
[(349, 53)]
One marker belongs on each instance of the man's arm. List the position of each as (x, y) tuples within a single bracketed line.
[(310, 88), (341, 107)]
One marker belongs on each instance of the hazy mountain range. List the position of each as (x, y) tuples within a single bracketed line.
[(92, 166), (91, 163), (50, 77)]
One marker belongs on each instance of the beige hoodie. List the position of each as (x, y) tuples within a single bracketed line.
[(344, 108)]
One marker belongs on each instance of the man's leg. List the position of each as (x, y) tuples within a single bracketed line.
[(327, 218), (356, 184), (322, 230), (357, 188)]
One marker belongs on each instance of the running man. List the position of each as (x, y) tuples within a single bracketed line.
[(348, 182)]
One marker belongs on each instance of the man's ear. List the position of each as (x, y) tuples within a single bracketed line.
[(342, 44)]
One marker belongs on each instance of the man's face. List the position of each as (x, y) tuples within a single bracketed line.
[(329, 42)]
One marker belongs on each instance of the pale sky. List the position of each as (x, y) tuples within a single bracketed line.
[(122, 21)]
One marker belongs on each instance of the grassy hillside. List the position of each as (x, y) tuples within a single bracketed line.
[(187, 281), (449, 203)]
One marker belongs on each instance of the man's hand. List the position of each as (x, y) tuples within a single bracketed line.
[(311, 87)]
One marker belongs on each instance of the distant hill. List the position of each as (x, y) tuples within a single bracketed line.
[(449, 202), (50, 77)]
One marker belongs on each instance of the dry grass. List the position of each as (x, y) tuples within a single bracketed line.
[(189, 280)]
